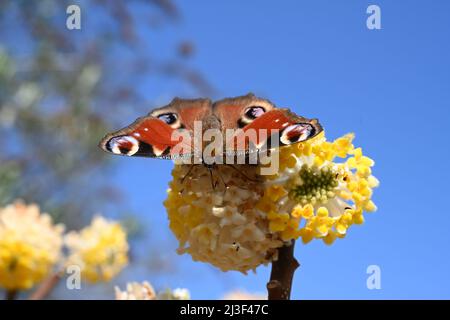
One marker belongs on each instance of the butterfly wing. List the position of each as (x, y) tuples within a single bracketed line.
[(165, 132), (259, 119), (290, 127)]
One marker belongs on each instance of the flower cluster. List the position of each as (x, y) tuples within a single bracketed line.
[(30, 245), (145, 291), (235, 219), (216, 220), (31, 248), (322, 189), (136, 291), (100, 250), (175, 294)]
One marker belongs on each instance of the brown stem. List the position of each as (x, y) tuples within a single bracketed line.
[(280, 284), (11, 295), (46, 287)]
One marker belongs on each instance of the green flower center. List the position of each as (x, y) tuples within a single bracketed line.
[(315, 185)]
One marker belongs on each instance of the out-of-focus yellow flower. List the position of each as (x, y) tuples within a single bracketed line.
[(30, 245), (145, 291), (175, 294), (324, 195), (136, 291), (243, 295), (99, 249)]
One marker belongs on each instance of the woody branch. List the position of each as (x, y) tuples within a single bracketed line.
[(282, 274)]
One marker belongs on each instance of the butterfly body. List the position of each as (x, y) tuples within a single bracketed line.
[(186, 129)]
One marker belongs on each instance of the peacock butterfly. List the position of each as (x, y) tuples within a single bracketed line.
[(171, 132)]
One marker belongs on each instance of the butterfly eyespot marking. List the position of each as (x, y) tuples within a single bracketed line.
[(250, 114), (123, 145), (296, 133), (169, 118), (254, 112)]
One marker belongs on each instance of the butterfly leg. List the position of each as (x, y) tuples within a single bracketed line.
[(187, 173), (213, 184), (223, 182)]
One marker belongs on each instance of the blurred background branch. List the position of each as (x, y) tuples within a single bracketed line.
[(62, 90)]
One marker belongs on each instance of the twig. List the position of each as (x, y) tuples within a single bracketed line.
[(46, 287), (280, 284)]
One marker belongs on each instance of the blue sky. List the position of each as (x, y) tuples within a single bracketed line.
[(390, 86)]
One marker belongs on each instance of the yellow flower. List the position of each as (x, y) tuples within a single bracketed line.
[(100, 250), (175, 294), (145, 291), (291, 231), (328, 194), (278, 221), (30, 246), (223, 225), (318, 193), (306, 212), (136, 291), (276, 192)]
